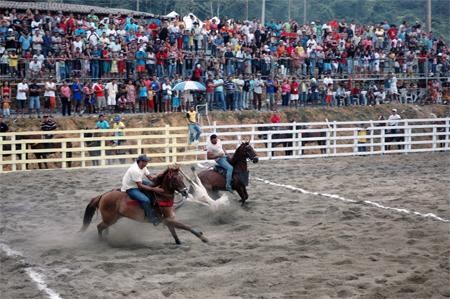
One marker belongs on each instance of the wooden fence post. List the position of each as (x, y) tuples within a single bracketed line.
[(102, 153), (167, 142), (433, 138), (355, 141), (334, 137), (408, 133), (382, 141), (63, 154), (174, 150), (447, 131), (23, 155), (371, 136), (83, 153), (269, 145)]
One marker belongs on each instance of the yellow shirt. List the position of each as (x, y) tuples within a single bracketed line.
[(192, 116), (13, 61), (362, 136)]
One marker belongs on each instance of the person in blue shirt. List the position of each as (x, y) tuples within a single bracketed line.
[(25, 42), (77, 94), (102, 123)]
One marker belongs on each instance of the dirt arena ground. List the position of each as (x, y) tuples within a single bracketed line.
[(286, 244)]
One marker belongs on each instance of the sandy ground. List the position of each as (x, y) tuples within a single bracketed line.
[(284, 245)]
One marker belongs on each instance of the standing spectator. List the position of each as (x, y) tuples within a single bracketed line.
[(77, 94), (89, 98), (218, 94), (393, 120), (131, 96), (294, 92), (143, 94), (210, 92), (362, 139), (35, 102), (285, 92), (50, 96), (167, 94), (22, 95), (238, 94), (230, 88), (271, 89), (6, 98), (112, 89), (257, 92), (99, 90), (65, 94)]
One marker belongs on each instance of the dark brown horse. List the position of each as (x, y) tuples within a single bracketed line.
[(215, 181), (115, 204)]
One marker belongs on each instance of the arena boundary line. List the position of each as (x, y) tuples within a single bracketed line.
[(34, 275), (367, 202)]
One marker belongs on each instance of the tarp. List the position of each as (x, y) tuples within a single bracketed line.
[(172, 14)]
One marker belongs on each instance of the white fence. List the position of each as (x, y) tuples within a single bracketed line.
[(167, 145)]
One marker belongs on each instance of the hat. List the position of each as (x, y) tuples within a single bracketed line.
[(143, 158), (117, 118), (394, 110), (45, 115), (10, 30)]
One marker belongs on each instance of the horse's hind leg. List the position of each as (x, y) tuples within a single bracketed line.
[(100, 228)]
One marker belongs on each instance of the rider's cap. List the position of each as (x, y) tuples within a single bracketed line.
[(213, 136), (143, 158), (394, 110)]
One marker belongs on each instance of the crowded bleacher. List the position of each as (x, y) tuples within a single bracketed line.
[(128, 63)]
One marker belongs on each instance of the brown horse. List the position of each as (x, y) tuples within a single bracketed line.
[(215, 181), (115, 204)]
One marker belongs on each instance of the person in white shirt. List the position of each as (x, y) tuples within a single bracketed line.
[(215, 151), (49, 95), (394, 118), (21, 97), (393, 91), (112, 90), (35, 67), (327, 81), (136, 180)]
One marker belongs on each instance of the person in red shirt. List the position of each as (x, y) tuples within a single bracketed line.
[(275, 118), (99, 91), (392, 32), (294, 92)]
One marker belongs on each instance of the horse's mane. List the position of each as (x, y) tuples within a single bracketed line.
[(239, 153), (165, 178)]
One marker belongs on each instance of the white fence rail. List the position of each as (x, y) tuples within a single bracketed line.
[(167, 145)]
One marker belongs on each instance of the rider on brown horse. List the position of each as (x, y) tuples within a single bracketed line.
[(215, 151), (136, 181)]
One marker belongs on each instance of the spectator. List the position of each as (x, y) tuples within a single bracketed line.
[(48, 124), (35, 103), (77, 94), (50, 96), (257, 92), (99, 91), (3, 126), (193, 125), (22, 95), (102, 123), (65, 95), (112, 89)]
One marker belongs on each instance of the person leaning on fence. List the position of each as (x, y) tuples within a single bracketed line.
[(393, 121), (194, 128), (48, 124), (362, 139)]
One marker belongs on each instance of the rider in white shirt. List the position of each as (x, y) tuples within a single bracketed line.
[(135, 181), (215, 151)]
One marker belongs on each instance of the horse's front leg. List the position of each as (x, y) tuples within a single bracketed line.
[(242, 191), (171, 223)]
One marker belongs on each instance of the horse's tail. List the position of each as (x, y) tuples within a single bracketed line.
[(90, 211)]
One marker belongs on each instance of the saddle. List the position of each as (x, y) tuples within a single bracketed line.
[(242, 175)]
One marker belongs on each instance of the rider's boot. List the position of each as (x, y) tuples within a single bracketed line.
[(151, 214)]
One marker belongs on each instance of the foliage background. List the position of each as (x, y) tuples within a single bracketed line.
[(362, 11)]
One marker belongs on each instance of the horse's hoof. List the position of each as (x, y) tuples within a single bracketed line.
[(199, 235), (178, 242)]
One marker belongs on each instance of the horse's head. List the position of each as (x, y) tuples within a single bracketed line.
[(246, 151), (172, 181)]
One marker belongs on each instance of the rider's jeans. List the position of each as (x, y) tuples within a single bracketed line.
[(140, 196), (222, 161)]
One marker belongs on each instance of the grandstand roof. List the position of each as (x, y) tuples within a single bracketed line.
[(64, 7)]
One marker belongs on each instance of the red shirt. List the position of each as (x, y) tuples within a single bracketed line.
[(99, 90), (294, 87), (275, 119)]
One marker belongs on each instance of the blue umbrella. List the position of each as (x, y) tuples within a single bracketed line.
[(189, 85)]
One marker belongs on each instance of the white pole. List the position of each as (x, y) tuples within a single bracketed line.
[(304, 11), (429, 15), (263, 12), (137, 5), (289, 10)]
